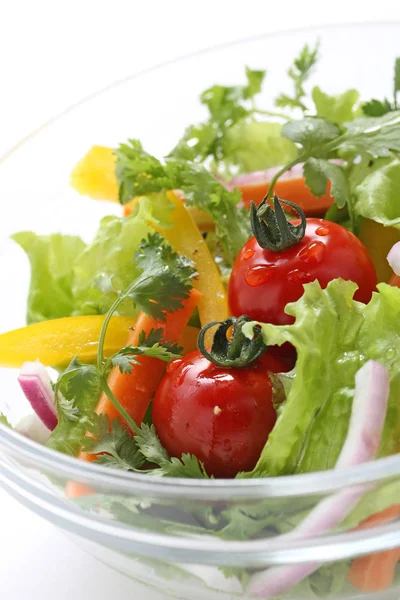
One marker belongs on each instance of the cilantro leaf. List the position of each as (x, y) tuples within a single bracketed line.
[(151, 346), (140, 173), (76, 393), (165, 280), (362, 138), (152, 449), (227, 106), (378, 136), (188, 466), (155, 254), (203, 191), (299, 72), (376, 108), (78, 382), (113, 444), (66, 409), (150, 445), (313, 134), (318, 172)]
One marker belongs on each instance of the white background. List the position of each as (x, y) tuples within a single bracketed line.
[(53, 53)]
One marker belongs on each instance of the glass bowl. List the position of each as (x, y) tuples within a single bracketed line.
[(162, 531)]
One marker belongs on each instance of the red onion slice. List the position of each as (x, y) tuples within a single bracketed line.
[(393, 258), (361, 445), (36, 385)]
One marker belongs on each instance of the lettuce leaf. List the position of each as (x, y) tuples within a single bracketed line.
[(51, 258), (255, 146), (377, 196), (337, 109), (334, 336), (110, 257), (70, 278)]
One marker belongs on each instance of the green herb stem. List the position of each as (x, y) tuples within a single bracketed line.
[(103, 331), (117, 405), (283, 170), (272, 113)]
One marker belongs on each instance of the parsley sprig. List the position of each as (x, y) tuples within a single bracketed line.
[(140, 173), (378, 108), (116, 447), (299, 72), (227, 106), (164, 282), (319, 141), (150, 345)]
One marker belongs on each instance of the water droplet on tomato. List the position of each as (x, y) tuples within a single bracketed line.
[(259, 274), (173, 365), (313, 253), (322, 231), (181, 376), (248, 253), (298, 275)]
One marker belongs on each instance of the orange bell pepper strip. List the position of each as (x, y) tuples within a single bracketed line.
[(56, 342), (290, 186), (375, 573)]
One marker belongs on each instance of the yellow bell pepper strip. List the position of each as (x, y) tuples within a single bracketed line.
[(378, 240), (185, 237), (56, 342), (94, 175)]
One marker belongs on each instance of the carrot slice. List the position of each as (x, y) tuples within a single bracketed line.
[(290, 186), (375, 573), (135, 390)]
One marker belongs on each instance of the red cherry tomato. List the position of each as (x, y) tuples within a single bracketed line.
[(263, 281), (222, 416)]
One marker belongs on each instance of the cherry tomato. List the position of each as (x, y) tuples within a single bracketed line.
[(263, 281), (222, 416)]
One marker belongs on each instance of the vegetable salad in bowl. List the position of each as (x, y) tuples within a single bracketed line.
[(238, 320)]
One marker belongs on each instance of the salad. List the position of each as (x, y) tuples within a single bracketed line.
[(241, 318)]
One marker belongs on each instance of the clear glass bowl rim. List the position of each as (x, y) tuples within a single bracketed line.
[(161, 487)]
